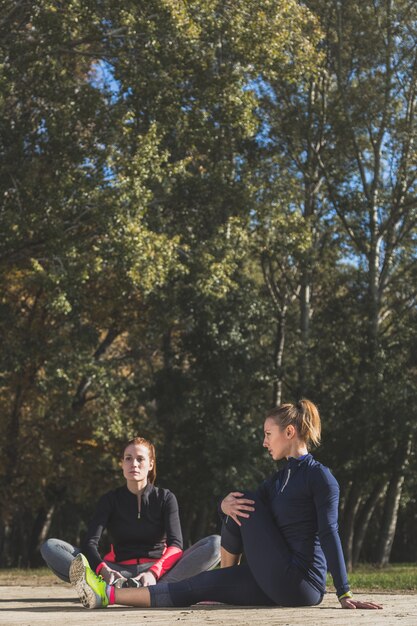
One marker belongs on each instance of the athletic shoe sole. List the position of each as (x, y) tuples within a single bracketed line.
[(77, 576)]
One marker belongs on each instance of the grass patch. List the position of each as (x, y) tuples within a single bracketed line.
[(393, 577), (41, 576)]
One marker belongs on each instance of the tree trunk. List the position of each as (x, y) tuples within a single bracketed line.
[(187, 521), (364, 517), (278, 357), (12, 436), (392, 503), (344, 495), (305, 291), (305, 334), (389, 521), (40, 531), (200, 526), (5, 544), (374, 260), (352, 504)]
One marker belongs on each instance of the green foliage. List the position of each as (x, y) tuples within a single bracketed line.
[(183, 185)]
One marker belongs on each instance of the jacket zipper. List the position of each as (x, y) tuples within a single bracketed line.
[(286, 480)]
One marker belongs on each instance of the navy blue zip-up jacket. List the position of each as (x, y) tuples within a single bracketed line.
[(304, 499)]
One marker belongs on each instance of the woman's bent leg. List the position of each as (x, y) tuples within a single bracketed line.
[(58, 556), (232, 585), (200, 557), (133, 597), (227, 559), (269, 557)]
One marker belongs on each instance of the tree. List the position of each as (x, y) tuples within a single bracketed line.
[(123, 131), (75, 265), (370, 173)]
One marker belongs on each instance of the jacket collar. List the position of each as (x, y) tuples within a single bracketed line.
[(296, 462), (148, 490), (145, 495)]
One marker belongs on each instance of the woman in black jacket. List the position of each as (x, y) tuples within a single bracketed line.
[(144, 525)]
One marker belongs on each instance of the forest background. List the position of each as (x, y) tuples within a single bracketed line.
[(207, 207)]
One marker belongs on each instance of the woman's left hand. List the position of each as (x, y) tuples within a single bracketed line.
[(109, 575), (350, 603), (147, 579)]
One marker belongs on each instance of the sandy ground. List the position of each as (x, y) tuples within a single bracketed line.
[(56, 605)]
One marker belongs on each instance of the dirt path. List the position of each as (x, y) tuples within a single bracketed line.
[(56, 605)]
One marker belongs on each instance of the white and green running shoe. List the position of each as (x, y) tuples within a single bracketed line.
[(91, 588)]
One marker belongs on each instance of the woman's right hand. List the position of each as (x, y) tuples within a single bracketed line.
[(348, 603), (234, 505)]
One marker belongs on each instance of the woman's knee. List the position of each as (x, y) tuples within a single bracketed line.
[(231, 538), (213, 549), (48, 547), (213, 543), (57, 553), (209, 544)]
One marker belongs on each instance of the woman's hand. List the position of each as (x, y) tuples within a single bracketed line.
[(147, 579), (350, 603), (234, 505), (109, 575)]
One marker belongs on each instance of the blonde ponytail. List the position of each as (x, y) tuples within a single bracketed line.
[(304, 416)]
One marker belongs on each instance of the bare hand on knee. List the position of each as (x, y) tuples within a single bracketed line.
[(235, 506)]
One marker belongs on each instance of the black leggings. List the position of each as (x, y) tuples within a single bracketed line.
[(268, 578)]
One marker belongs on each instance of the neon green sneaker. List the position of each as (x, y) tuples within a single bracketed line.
[(91, 588)]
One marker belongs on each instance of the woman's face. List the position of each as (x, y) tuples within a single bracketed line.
[(277, 441), (136, 463)]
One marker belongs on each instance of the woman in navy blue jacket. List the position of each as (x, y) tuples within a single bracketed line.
[(287, 530)]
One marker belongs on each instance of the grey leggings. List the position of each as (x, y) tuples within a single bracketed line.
[(200, 557)]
